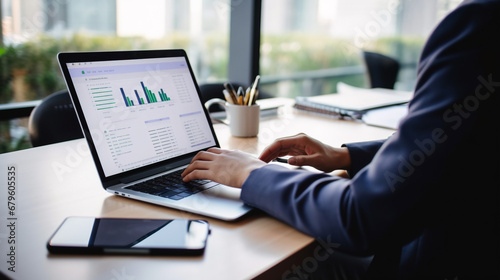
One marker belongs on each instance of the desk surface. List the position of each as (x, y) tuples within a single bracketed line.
[(56, 181)]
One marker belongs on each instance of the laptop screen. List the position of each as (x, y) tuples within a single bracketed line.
[(140, 111)]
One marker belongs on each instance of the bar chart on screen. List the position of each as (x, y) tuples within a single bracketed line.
[(142, 96)]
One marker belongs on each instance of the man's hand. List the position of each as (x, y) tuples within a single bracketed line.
[(222, 166), (308, 151)]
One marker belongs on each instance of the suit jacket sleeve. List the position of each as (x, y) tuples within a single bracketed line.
[(362, 154), (359, 212)]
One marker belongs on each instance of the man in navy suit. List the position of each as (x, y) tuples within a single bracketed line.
[(424, 202)]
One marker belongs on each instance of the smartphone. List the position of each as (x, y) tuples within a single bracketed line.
[(88, 235)]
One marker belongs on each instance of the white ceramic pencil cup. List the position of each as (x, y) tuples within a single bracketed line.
[(243, 120)]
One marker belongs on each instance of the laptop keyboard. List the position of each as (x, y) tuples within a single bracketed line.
[(171, 186)]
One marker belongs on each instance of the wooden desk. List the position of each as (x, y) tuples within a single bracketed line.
[(60, 180)]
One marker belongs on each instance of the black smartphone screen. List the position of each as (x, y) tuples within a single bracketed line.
[(117, 235)]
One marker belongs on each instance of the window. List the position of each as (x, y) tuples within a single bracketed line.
[(308, 46), (34, 31)]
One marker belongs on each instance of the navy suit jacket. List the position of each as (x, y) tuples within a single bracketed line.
[(427, 197)]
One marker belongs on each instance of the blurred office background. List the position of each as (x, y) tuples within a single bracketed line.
[(305, 48)]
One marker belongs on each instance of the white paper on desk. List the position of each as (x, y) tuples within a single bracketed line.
[(388, 117), (361, 99)]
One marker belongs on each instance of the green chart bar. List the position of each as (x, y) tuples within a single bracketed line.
[(151, 96), (163, 96), (130, 102)]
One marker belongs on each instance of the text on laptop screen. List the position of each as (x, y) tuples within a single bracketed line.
[(140, 111)]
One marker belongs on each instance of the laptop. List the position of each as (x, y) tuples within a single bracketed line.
[(143, 118)]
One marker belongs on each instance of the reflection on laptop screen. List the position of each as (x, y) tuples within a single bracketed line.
[(140, 111)]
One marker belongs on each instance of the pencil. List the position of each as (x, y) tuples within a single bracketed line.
[(252, 91), (232, 93), (240, 100), (228, 97)]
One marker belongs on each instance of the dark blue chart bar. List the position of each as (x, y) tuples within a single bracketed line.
[(127, 101), (138, 98)]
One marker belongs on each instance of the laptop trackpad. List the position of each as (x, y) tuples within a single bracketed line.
[(223, 191)]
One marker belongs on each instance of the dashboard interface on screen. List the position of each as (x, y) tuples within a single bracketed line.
[(140, 111)]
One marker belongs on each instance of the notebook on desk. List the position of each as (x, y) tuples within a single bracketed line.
[(143, 119), (352, 101)]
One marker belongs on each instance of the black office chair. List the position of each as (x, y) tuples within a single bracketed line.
[(382, 70), (54, 120)]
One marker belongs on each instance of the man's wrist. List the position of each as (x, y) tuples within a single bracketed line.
[(343, 157)]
